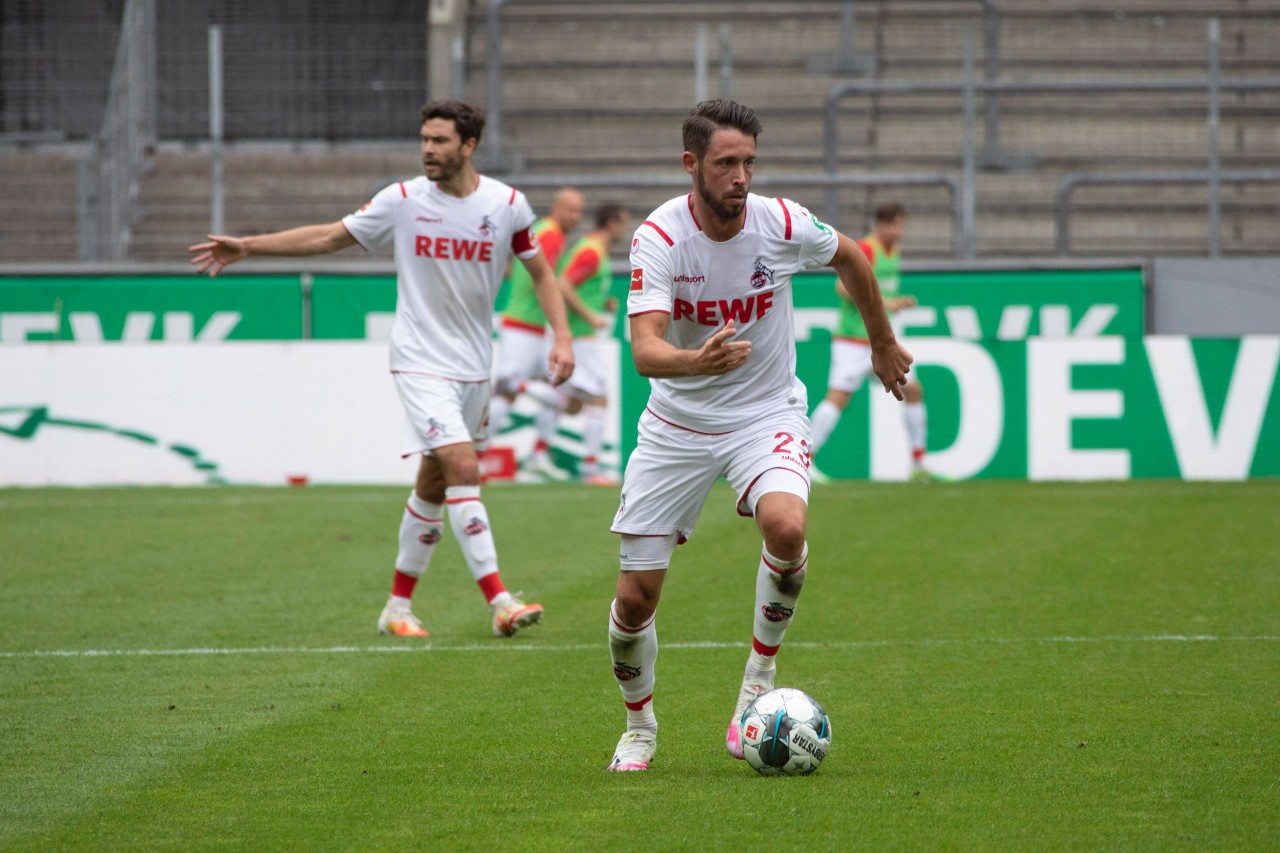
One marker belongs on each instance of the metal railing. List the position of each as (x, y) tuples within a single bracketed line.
[(1069, 183), (107, 182), (766, 179), (1211, 84)]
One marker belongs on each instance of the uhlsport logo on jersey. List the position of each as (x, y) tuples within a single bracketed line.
[(776, 611), (475, 526), (637, 279), (486, 227), (625, 671), (763, 275)]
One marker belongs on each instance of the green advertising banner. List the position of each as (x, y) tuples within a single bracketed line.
[(35, 309), (355, 307), (351, 307), (1067, 409), (1042, 375)]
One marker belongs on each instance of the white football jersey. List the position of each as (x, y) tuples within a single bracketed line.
[(451, 254), (678, 270)]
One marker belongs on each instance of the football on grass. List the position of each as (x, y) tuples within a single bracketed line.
[(785, 732)]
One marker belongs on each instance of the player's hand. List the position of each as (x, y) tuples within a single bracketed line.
[(221, 250), (560, 364), (719, 354), (599, 322), (890, 363)]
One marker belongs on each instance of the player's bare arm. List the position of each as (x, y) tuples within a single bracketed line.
[(888, 358), (892, 305), (546, 287), (221, 250), (575, 304), (658, 358)]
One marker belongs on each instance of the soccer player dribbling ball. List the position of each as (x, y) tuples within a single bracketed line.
[(453, 231), (710, 308)]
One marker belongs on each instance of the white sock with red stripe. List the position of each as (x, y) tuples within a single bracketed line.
[(913, 415), (420, 530), (544, 424), (592, 438), (469, 521), (778, 584), (821, 424), (499, 414), (635, 652), (544, 392)]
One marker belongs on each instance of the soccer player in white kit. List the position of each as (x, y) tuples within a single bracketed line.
[(453, 232), (710, 307)]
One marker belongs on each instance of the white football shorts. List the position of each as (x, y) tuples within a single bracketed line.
[(522, 354), (851, 365), (672, 470), (588, 379), (439, 412)]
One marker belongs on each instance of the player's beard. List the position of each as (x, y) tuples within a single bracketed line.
[(720, 206), (447, 165)]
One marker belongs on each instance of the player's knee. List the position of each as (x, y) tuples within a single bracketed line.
[(784, 535), (462, 471)]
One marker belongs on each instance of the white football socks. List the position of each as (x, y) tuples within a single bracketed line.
[(822, 423), (470, 524), (778, 584), (635, 652), (917, 423), (420, 530)]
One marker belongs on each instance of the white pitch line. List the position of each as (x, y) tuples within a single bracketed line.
[(579, 647)]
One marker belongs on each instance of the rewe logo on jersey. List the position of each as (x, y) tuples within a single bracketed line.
[(453, 249), (714, 312)]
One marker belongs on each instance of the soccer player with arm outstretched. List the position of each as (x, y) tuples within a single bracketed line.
[(452, 231)]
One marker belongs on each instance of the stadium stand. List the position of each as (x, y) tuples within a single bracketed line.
[(584, 94)]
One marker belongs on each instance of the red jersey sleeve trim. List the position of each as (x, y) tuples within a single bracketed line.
[(651, 311), (786, 214), (661, 233), (512, 200), (403, 192)]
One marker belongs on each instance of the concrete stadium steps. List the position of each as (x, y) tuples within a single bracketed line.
[(38, 218), (265, 190)]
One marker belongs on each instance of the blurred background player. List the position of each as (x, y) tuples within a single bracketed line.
[(522, 342), (453, 232), (712, 326), (851, 353), (585, 280)]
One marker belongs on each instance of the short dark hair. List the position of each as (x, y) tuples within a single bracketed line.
[(709, 116), (467, 119), (609, 212), (890, 211)]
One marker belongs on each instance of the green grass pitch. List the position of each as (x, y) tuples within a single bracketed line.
[(1007, 666)]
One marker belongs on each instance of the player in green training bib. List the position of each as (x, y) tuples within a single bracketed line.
[(585, 280), (520, 362), (851, 353)]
